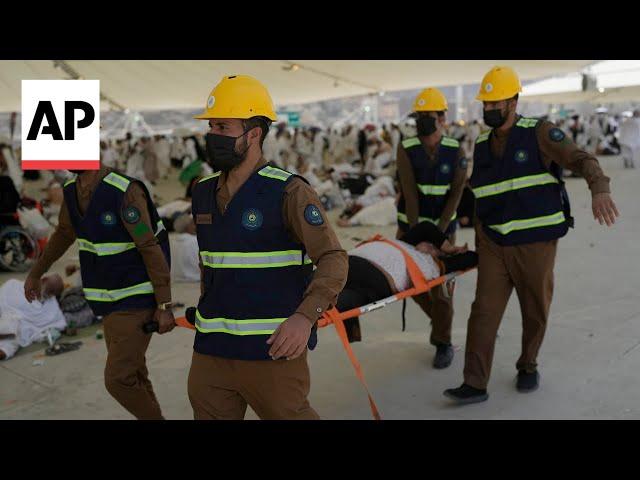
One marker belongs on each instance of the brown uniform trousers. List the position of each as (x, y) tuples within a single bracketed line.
[(439, 308), (221, 388), (125, 375), (528, 268)]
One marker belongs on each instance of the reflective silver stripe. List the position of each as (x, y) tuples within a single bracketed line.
[(403, 218), (223, 327), (433, 189), (410, 142), (102, 295), (307, 260), (527, 122), (87, 246), (209, 177), (103, 249), (69, 182), (117, 181), (528, 223), (251, 259), (483, 137), (276, 173), (254, 326), (514, 184), (450, 142)]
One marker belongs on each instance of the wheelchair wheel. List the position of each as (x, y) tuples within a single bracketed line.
[(18, 249)]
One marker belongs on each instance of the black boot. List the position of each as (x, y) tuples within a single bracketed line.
[(444, 356), (528, 381), (466, 394)]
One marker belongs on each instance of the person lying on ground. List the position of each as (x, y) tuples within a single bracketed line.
[(23, 323), (326, 189), (380, 214), (73, 301), (384, 213)]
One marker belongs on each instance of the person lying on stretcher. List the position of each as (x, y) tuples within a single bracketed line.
[(378, 270)]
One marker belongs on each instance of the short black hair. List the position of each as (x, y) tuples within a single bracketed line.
[(263, 122)]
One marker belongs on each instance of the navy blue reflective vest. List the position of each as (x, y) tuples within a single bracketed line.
[(114, 276), (433, 181), (518, 200), (255, 275)]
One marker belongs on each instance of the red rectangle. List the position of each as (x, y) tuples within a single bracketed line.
[(60, 164)]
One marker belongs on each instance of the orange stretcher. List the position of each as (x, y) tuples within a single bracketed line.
[(333, 316), (420, 285)]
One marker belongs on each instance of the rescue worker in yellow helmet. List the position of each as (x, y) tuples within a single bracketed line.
[(522, 209), (259, 231), (432, 175)]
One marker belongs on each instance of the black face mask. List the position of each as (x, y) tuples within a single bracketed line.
[(494, 118), (222, 151), (426, 125)]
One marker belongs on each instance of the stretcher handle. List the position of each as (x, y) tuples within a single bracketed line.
[(188, 321)]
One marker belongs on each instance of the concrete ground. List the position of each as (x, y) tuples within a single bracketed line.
[(588, 362)]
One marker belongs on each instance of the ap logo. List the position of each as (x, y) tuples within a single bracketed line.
[(60, 124)]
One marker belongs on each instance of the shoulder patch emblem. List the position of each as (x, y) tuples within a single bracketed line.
[(312, 215), (131, 215)]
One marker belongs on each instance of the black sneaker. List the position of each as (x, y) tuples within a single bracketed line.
[(528, 381), (444, 356), (465, 394)]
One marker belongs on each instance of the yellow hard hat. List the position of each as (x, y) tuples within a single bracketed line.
[(430, 100), (238, 96), (500, 83)]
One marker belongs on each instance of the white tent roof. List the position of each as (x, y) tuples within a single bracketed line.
[(612, 95), (617, 80), (177, 84)]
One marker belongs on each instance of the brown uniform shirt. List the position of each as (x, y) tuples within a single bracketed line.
[(564, 152), (410, 191), (320, 242), (144, 238)]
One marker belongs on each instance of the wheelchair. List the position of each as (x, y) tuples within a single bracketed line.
[(19, 250)]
